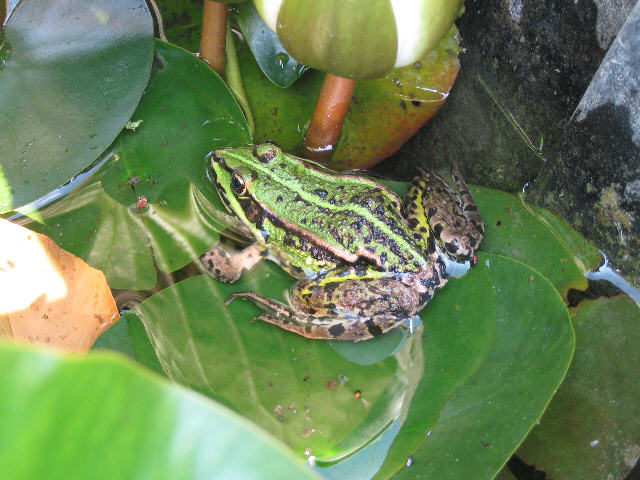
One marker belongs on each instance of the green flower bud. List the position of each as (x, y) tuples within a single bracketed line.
[(358, 38)]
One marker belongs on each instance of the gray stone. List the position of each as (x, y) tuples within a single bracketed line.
[(617, 80), (611, 16)]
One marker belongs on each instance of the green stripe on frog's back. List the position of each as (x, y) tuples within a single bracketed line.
[(349, 213)]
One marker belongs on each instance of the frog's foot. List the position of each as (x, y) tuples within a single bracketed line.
[(351, 326), (432, 206), (226, 265)]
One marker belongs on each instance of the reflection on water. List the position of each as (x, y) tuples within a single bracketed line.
[(366, 461)]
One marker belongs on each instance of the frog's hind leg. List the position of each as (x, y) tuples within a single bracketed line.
[(432, 206), (351, 326)]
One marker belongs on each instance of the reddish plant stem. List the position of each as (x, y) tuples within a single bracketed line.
[(214, 32), (328, 117)]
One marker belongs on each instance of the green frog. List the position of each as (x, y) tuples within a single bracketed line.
[(365, 261)]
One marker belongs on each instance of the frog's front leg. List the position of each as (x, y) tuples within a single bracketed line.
[(227, 266)]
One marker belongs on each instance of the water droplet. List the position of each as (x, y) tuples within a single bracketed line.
[(282, 59)]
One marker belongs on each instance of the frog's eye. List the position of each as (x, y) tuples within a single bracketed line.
[(238, 184)]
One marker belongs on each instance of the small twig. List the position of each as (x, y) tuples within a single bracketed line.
[(514, 123), (328, 117), (158, 15), (234, 80), (214, 32)]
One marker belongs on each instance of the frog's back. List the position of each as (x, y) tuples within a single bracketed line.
[(353, 214)]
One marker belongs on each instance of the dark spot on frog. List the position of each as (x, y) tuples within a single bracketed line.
[(283, 165), (470, 208), (431, 245), (403, 105), (416, 103), (303, 221), (437, 229), (340, 187), (320, 193), (374, 330), (336, 330), (432, 211), (264, 153), (279, 199), (498, 223)]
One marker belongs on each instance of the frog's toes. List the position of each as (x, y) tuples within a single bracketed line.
[(227, 266)]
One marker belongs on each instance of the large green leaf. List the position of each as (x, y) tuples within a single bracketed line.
[(166, 154), (486, 419), (304, 391), (591, 430), (101, 417), (71, 75)]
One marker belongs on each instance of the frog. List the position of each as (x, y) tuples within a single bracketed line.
[(365, 261)]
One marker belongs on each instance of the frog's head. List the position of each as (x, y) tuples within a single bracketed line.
[(242, 178)]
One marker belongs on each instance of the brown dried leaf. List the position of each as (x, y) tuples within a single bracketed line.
[(49, 296)]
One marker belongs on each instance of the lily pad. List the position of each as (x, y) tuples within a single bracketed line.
[(134, 424), (161, 163), (322, 398), (485, 420), (71, 75), (129, 337), (535, 237), (591, 428)]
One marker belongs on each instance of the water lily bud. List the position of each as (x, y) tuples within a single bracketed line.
[(358, 38)]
